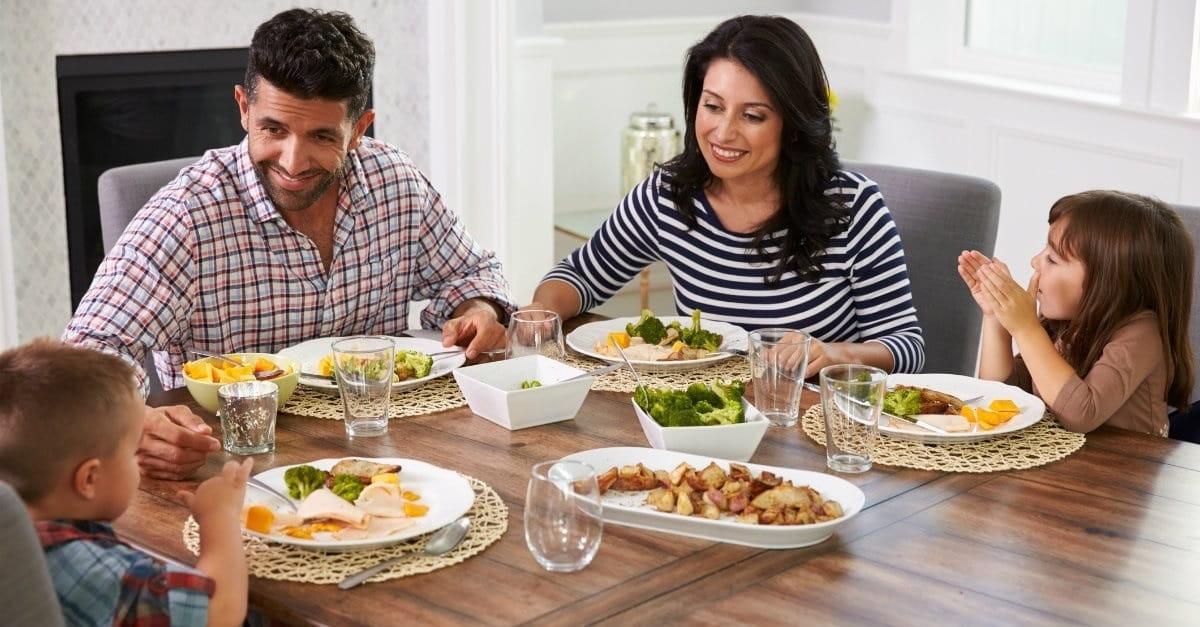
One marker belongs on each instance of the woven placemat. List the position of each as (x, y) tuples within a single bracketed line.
[(622, 380), (1033, 446), (269, 560), (439, 394)]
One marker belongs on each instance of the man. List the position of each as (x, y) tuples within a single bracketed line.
[(305, 229)]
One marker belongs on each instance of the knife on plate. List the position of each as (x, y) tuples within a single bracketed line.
[(918, 422)]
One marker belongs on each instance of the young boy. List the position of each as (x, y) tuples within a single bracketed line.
[(70, 423)]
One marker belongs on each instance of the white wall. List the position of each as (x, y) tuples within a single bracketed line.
[(8, 292)]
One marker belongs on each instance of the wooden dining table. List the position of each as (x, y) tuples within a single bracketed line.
[(1108, 535)]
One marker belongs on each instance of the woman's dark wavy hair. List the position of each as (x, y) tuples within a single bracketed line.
[(313, 54), (1138, 256), (782, 57)]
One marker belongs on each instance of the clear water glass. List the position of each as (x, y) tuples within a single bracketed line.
[(778, 364), (563, 515), (365, 367), (248, 412), (851, 399), (535, 332)]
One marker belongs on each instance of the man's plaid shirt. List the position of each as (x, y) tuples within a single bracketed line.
[(209, 263)]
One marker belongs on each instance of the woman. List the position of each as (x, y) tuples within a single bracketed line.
[(755, 220)]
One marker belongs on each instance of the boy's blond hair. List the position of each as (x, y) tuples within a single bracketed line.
[(59, 405)]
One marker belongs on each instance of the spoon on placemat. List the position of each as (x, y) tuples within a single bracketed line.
[(442, 541)]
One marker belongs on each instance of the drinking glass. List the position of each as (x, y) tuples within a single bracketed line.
[(535, 332), (851, 398), (248, 411), (778, 364), (563, 523), (365, 367)]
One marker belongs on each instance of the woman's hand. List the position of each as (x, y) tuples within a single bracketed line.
[(1014, 307), (969, 263), (821, 354)]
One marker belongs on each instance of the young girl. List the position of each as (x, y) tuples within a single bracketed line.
[(1115, 288)]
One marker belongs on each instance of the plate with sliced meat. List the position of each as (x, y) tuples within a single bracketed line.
[(399, 499), (941, 404)]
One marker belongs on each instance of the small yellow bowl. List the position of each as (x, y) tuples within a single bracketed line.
[(205, 392)]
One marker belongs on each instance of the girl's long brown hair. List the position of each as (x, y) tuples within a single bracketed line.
[(1138, 256)]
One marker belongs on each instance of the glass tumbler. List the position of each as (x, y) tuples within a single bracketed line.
[(535, 332), (563, 515), (365, 367), (851, 399), (248, 412)]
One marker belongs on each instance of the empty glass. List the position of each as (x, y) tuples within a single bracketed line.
[(563, 523), (535, 332), (778, 364), (365, 366), (248, 411), (851, 399)]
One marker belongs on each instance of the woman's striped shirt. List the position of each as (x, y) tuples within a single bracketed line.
[(861, 294)]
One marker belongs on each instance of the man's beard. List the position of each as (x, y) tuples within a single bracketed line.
[(287, 200)]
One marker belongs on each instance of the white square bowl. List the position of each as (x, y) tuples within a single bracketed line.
[(736, 442), (493, 391)]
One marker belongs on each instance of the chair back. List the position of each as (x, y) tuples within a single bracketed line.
[(26, 592), (123, 191), (1191, 219), (939, 215)]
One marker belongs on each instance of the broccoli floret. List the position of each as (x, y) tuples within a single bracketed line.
[(716, 404), (648, 327), (347, 487), (904, 402), (302, 480), (701, 393), (697, 337), (413, 363)]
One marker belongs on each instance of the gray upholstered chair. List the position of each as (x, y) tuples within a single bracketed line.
[(1191, 219), (939, 215), (122, 192), (26, 594)]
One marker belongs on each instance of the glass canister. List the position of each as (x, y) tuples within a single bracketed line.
[(650, 138)]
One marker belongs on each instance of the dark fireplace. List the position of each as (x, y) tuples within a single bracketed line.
[(117, 109)]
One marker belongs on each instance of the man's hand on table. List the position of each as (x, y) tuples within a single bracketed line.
[(475, 325), (175, 442)]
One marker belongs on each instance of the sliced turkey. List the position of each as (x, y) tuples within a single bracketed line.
[(324, 504), (381, 499)]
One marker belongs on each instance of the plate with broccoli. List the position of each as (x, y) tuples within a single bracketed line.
[(414, 366), (660, 343), (439, 495)]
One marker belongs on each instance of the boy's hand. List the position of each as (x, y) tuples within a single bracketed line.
[(175, 442), (221, 495)]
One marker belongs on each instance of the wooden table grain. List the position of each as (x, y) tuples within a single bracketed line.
[(1109, 535)]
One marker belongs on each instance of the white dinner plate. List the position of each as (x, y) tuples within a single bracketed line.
[(309, 354), (447, 494), (629, 508), (1032, 408), (584, 338)]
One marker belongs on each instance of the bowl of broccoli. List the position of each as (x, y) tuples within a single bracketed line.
[(711, 419)]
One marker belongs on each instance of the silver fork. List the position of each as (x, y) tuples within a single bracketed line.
[(258, 483), (636, 376)]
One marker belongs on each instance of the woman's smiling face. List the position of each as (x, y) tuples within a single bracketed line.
[(737, 125)]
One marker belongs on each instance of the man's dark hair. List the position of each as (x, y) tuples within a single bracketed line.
[(313, 54)]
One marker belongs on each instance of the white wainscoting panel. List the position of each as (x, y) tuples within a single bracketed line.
[(1048, 167)]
